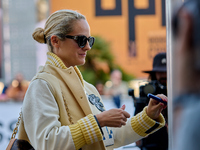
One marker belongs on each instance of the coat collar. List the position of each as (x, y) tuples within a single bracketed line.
[(54, 60), (69, 76)]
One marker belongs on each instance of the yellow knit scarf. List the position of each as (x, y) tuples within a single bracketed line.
[(54, 60)]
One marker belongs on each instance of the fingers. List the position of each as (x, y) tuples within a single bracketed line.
[(126, 114), (159, 104), (123, 107), (122, 122), (154, 108), (113, 117), (163, 97), (124, 119)]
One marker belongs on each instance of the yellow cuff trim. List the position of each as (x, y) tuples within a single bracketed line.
[(86, 131), (77, 136), (142, 123), (90, 129)]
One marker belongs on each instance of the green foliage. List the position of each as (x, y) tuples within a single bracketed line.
[(99, 63)]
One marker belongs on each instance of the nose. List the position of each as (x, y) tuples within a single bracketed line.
[(87, 47)]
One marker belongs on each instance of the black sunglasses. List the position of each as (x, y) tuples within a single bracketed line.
[(82, 40)]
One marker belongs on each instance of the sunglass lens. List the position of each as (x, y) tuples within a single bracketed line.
[(82, 40), (91, 41)]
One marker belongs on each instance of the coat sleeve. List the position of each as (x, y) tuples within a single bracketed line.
[(41, 122), (137, 127)]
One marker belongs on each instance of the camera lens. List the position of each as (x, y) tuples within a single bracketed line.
[(149, 89)]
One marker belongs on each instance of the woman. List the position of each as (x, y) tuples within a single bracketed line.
[(61, 110)]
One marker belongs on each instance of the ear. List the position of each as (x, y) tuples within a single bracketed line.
[(55, 41)]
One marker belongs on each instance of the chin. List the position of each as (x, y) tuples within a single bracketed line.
[(81, 63)]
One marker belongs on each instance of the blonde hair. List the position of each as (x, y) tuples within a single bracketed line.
[(60, 23)]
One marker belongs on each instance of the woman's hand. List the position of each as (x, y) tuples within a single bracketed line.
[(113, 117), (154, 107)]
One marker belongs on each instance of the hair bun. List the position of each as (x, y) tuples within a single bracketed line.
[(39, 35)]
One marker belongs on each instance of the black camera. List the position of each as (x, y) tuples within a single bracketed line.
[(153, 87)]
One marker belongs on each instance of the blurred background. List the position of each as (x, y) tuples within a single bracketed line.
[(128, 34)]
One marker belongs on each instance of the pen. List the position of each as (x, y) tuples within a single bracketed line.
[(156, 98)]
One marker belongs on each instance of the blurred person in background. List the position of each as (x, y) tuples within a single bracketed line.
[(100, 87), (116, 88), (17, 89), (158, 81), (3, 88), (186, 119), (62, 111)]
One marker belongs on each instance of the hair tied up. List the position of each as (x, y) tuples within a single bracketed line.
[(45, 41)]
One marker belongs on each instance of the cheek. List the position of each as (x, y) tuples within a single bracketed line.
[(70, 50), (164, 75)]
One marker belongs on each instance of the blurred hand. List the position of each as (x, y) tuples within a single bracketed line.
[(113, 117), (154, 107), (138, 143)]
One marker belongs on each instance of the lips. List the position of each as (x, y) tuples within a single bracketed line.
[(83, 54)]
